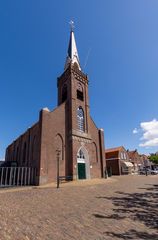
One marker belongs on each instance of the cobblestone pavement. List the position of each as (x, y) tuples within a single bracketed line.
[(123, 207)]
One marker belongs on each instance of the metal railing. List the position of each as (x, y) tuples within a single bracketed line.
[(17, 176)]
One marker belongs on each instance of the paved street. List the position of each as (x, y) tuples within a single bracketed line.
[(123, 207)]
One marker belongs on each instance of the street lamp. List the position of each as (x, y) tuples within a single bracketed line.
[(58, 157)]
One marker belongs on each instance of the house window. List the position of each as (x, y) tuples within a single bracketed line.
[(80, 119)]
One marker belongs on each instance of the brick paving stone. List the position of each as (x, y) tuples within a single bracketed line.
[(123, 207)]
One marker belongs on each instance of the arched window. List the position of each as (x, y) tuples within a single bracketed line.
[(94, 152), (17, 154), (80, 119), (81, 154), (33, 149), (59, 143), (24, 153), (64, 93)]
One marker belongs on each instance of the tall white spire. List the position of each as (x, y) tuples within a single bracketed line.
[(72, 54)]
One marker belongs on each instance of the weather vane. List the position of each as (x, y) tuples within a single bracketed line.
[(72, 26)]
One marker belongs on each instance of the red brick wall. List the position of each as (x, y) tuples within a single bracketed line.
[(52, 134), (114, 165), (25, 150)]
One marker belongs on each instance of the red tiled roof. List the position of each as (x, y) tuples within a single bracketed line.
[(131, 154), (116, 149)]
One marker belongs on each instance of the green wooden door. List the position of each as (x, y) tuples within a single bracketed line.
[(81, 171)]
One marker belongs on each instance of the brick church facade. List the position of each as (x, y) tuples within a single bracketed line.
[(69, 128)]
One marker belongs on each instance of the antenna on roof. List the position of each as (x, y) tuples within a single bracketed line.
[(86, 60)]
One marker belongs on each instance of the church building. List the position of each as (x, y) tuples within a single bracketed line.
[(68, 130)]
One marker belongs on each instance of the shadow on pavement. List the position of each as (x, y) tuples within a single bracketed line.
[(141, 207), (114, 216), (132, 234)]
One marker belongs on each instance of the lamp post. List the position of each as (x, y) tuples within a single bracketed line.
[(58, 156)]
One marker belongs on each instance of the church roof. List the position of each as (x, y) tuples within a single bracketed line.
[(72, 53)]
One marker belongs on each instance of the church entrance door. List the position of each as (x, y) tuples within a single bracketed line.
[(81, 171), (82, 164)]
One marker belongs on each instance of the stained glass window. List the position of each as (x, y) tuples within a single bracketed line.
[(80, 119)]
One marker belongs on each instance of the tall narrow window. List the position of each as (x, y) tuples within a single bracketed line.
[(24, 153), (64, 93), (17, 154), (33, 149), (59, 142), (80, 119), (80, 92), (81, 154)]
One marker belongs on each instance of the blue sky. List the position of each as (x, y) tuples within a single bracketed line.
[(121, 38)]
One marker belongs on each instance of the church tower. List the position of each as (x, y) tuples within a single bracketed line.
[(84, 143)]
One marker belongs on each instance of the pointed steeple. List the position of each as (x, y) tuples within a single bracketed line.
[(72, 54)]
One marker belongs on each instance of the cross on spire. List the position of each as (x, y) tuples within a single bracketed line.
[(72, 25)]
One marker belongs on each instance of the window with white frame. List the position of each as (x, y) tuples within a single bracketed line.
[(121, 155)]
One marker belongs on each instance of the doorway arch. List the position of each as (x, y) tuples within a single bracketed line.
[(83, 166)]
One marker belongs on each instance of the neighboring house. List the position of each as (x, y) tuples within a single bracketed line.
[(117, 161), (136, 159), (145, 160)]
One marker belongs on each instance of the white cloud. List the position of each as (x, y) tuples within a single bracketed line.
[(150, 143), (150, 133), (135, 131)]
